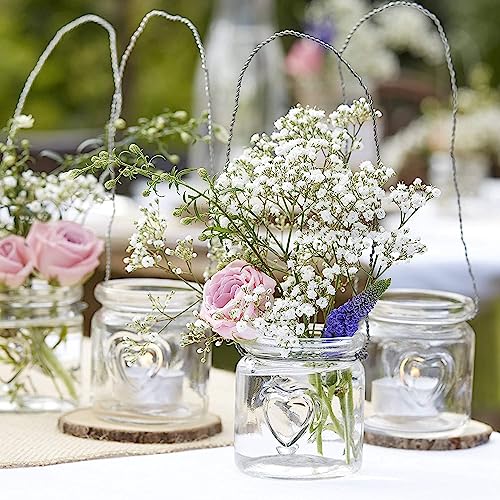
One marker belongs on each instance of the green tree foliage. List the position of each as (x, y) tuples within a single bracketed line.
[(74, 89)]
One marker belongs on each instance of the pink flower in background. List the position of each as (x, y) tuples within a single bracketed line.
[(16, 261), (64, 251), (304, 58), (234, 295)]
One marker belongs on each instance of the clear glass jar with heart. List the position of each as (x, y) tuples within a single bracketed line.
[(153, 379), (421, 362), (299, 414), (41, 331)]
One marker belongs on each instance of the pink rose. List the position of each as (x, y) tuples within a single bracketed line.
[(225, 299), (305, 58), (64, 251), (16, 261)]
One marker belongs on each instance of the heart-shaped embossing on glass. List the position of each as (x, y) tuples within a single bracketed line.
[(426, 376), (287, 409), (148, 358)]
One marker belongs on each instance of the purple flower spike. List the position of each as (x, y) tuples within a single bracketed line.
[(344, 320), (324, 30)]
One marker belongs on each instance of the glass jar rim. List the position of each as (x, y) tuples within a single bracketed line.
[(426, 307), (309, 349), (42, 294), (132, 294)]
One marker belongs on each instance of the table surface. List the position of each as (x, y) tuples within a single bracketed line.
[(211, 474)]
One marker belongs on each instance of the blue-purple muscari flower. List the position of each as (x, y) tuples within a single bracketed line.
[(324, 30), (344, 320)]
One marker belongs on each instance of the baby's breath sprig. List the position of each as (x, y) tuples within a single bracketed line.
[(159, 132), (197, 332), (27, 196), (295, 206), (149, 327)]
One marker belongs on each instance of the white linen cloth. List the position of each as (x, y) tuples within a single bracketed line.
[(210, 474)]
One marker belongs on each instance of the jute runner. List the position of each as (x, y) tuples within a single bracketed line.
[(28, 440)]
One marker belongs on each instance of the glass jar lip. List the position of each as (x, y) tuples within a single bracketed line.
[(309, 349), (41, 294), (426, 307), (133, 293)]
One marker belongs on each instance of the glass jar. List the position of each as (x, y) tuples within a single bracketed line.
[(421, 361), (164, 382), (300, 417), (41, 330)]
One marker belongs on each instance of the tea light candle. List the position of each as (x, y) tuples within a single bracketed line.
[(165, 388), (392, 398)]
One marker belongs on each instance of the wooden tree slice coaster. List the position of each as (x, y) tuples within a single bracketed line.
[(84, 423), (473, 434)]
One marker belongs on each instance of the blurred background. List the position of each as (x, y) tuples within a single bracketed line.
[(399, 56)]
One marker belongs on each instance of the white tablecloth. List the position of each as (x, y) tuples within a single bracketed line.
[(387, 474)]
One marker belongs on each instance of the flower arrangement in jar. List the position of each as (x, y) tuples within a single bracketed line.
[(46, 254), (292, 224), (141, 372)]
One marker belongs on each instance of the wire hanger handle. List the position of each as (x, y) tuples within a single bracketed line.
[(454, 102), (88, 18), (325, 45), (363, 352), (118, 102), (115, 102), (201, 50)]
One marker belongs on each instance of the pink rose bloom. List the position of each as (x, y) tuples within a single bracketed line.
[(304, 58), (64, 251), (16, 261), (224, 299)]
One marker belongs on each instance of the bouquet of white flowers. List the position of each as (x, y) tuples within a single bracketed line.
[(292, 209)]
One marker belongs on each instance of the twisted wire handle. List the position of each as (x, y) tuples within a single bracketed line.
[(298, 34), (88, 18), (454, 101), (363, 352), (117, 106), (201, 50), (115, 102)]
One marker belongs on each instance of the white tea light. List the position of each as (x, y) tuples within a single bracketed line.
[(165, 388), (391, 397)]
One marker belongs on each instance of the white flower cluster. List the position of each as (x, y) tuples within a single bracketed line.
[(374, 49), (148, 246), (46, 196), (22, 121), (293, 203), (406, 30)]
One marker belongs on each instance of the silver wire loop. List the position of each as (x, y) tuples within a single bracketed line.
[(454, 101), (115, 102), (88, 18), (118, 102), (171, 17), (325, 45)]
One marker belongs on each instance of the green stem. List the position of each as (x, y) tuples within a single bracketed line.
[(319, 439), (319, 428), (328, 403), (347, 406), (54, 367)]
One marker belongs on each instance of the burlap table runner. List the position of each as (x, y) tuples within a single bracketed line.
[(28, 440)]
